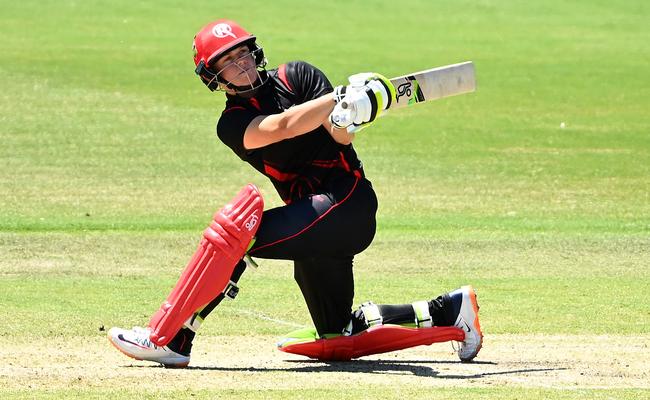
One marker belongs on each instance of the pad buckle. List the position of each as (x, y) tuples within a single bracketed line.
[(371, 314), (231, 290), (424, 323)]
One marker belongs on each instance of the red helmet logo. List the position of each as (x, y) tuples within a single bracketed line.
[(223, 30)]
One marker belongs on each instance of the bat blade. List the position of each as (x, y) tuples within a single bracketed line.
[(433, 84)]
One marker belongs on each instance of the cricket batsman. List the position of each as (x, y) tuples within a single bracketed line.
[(292, 126)]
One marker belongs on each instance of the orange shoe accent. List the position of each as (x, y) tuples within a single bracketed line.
[(476, 307), (122, 351)]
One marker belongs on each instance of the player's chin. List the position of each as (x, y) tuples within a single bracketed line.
[(252, 75), (248, 77)]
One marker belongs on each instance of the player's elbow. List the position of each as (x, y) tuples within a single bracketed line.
[(279, 126), (274, 128), (283, 128)]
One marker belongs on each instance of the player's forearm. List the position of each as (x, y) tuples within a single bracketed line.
[(300, 119)]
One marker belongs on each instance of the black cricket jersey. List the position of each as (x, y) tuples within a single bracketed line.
[(299, 166)]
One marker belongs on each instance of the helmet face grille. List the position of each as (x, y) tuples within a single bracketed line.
[(214, 80)]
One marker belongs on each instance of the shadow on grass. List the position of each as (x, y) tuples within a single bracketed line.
[(394, 367)]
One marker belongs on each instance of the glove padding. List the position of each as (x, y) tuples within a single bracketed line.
[(379, 84), (363, 101), (348, 112), (339, 93)]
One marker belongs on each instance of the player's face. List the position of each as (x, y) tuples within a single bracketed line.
[(237, 67)]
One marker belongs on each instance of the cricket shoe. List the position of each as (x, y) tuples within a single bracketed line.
[(136, 343), (465, 306)]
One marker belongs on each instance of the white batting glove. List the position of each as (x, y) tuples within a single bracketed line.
[(354, 109), (362, 102), (339, 93), (354, 112), (379, 84), (342, 118)]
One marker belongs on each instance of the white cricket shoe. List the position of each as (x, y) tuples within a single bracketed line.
[(136, 343), (467, 320)]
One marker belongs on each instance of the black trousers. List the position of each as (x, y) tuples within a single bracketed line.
[(321, 234)]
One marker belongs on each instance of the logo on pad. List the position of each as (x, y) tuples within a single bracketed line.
[(252, 221)]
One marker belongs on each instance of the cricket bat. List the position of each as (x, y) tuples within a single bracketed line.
[(431, 84), (434, 84)]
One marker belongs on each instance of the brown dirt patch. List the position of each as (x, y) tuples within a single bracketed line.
[(232, 362)]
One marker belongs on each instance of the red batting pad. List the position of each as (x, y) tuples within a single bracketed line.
[(224, 243), (374, 340)]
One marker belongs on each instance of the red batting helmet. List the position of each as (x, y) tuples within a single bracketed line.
[(215, 39)]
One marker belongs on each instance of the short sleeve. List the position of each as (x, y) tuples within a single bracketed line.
[(309, 82), (231, 128)]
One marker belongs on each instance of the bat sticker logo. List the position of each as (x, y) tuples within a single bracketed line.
[(404, 90), (408, 89)]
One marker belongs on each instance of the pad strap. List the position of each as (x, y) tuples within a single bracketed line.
[(194, 322), (347, 331), (422, 315), (371, 314), (230, 292)]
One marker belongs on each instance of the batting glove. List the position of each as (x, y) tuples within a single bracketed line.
[(339, 93), (342, 118), (360, 103), (380, 85)]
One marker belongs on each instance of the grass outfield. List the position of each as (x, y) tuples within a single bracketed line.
[(111, 170)]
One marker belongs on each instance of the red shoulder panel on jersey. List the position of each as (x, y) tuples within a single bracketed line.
[(282, 74)]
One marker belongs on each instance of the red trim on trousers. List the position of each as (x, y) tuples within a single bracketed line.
[(356, 181), (326, 163)]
